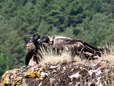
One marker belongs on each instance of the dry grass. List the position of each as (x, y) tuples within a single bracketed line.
[(51, 57), (108, 56)]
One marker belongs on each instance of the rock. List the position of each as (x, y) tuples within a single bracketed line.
[(84, 73)]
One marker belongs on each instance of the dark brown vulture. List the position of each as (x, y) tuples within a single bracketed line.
[(33, 50), (59, 44)]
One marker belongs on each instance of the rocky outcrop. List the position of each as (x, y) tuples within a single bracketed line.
[(82, 73)]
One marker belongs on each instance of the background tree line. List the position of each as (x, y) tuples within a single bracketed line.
[(88, 20)]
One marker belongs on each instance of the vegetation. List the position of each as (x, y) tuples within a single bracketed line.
[(88, 20)]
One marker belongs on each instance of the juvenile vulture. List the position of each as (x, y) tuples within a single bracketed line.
[(33, 50), (59, 44)]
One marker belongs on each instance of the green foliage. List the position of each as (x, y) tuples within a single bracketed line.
[(3, 63), (88, 20)]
